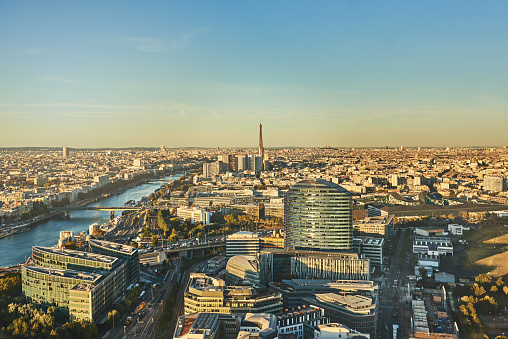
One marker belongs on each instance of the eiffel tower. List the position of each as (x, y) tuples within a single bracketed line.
[(261, 149)]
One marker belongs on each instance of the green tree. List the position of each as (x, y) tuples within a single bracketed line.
[(155, 241), (25, 216), (175, 222), (162, 223), (145, 232), (114, 314), (10, 283), (483, 278), (174, 236), (81, 329)]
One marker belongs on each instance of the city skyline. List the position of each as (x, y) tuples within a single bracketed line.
[(348, 74)]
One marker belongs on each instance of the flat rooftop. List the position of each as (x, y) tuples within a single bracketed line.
[(351, 302), (342, 284), (78, 254), (204, 321), (195, 323), (375, 220), (242, 235), (71, 274), (370, 240), (114, 246), (83, 287)]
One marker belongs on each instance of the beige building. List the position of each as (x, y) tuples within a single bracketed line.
[(382, 225), (207, 294)]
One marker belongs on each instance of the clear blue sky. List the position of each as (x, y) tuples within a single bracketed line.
[(204, 73)]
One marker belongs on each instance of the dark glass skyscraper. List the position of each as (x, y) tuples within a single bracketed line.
[(318, 217)]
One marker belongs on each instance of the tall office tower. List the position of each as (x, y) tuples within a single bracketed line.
[(318, 217), (241, 163), (254, 162), (209, 170), (66, 152), (228, 159), (261, 149)]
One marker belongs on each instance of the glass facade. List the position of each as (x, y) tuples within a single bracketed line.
[(73, 260), (318, 217), (79, 284), (127, 253)]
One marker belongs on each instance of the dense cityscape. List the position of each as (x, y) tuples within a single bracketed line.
[(253, 169), (257, 243)]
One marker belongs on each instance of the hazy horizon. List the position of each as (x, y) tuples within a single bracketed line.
[(351, 73), (106, 148)]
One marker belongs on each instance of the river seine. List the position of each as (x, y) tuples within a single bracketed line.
[(16, 248)]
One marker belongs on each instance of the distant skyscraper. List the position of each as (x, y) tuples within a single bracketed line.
[(318, 217), (241, 163), (261, 149), (66, 152)]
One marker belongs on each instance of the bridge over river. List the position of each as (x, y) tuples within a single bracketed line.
[(111, 210)]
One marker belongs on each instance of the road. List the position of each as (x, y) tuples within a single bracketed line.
[(179, 306), (146, 326), (389, 293)]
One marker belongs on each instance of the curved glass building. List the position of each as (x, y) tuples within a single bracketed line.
[(318, 217), (243, 267)]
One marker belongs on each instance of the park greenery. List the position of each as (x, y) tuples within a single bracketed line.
[(10, 283), (38, 208), (23, 320), (174, 228), (486, 296)]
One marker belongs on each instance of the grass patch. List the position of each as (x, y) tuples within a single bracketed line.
[(482, 245)]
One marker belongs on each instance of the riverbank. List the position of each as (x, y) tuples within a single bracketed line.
[(17, 248), (14, 229)]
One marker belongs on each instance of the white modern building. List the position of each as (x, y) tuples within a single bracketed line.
[(370, 248), (243, 243), (337, 331), (432, 245), (295, 322), (456, 229), (194, 214)]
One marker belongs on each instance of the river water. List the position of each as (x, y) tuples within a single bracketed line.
[(17, 247)]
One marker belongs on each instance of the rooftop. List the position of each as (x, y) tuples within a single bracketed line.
[(351, 302), (242, 235), (83, 287), (71, 274), (114, 246), (78, 254), (319, 183)]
